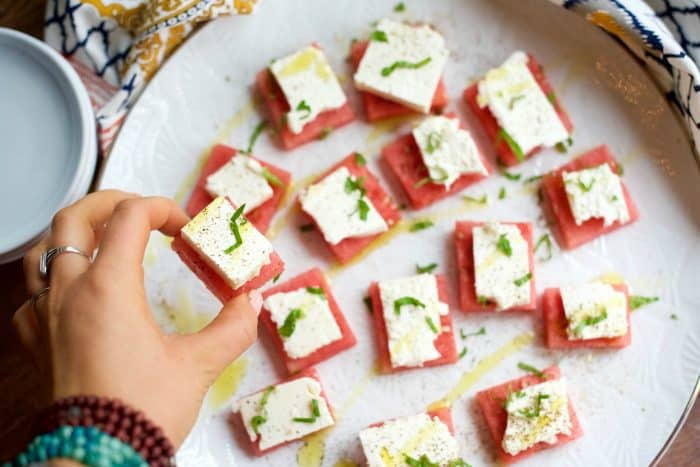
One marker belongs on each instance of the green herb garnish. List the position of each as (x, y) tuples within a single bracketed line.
[(534, 178), (512, 144), (427, 269), (482, 300), (420, 225), (483, 199), (386, 71), (400, 7), (458, 463), (480, 332), (463, 353), (619, 169), (546, 241), (271, 178), (316, 291), (276, 278), (368, 304), (290, 322), (398, 303), (363, 209), (434, 142), (325, 132), (261, 418), (254, 137), (531, 369), (379, 36), (422, 461), (303, 107), (431, 325), (306, 227), (551, 98), (515, 99), (355, 185), (522, 280), (233, 225), (534, 413), (674, 316), (584, 187), (511, 176), (513, 395), (426, 180), (360, 159), (637, 301), (503, 245), (315, 414), (502, 193)]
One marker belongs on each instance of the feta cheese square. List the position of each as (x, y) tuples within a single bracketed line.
[(448, 151), (278, 406), (406, 68), (309, 85), (596, 193), (536, 414), (501, 265), (335, 206), (211, 236), (516, 100), (315, 328), (594, 310), (412, 311), (414, 436), (242, 181)]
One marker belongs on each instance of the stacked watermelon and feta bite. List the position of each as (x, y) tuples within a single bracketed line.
[(518, 109), (496, 266), (226, 251), (285, 412), (437, 159), (587, 198), (399, 69), (349, 207), (424, 439), (243, 179), (305, 321), (529, 414), (412, 322), (303, 97), (589, 315)]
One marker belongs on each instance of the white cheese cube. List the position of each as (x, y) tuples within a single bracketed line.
[(448, 151), (413, 329), (500, 276), (414, 436), (594, 310), (316, 327), (516, 100), (406, 68), (210, 235), (242, 181), (308, 84), (596, 193), (536, 414), (336, 208), (283, 404)]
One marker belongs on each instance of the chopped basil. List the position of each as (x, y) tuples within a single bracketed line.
[(480, 332), (502, 193), (379, 36), (534, 413), (360, 159), (463, 353), (400, 7), (584, 187), (386, 71), (546, 241), (271, 178), (503, 245), (276, 278), (317, 291), (515, 99), (315, 414), (511, 176), (290, 322), (306, 227), (483, 199), (261, 418), (522, 280), (531, 369), (398, 303), (534, 178), (233, 225), (303, 107), (637, 301), (420, 225), (431, 325), (590, 321), (427, 269), (325, 132), (368, 304), (363, 209), (254, 137), (434, 142), (355, 185), (422, 461), (562, 146), (514, 146)]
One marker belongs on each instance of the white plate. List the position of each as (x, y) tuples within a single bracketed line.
[(628, 401)]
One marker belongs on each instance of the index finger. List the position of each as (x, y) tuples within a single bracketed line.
[(125, 238)]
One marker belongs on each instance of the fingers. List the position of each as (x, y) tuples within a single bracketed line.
[(25, 323), (125, 238), (80, 225), (228, 336)]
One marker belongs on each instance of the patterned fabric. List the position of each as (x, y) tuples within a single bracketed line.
[(125, 41)]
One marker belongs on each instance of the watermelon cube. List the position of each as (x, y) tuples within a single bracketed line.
[(555, 324), (490, 124), (556, 203), (444, 342), (491, 403), (260, 216), (464, 243), (379, 108), (311, 278)]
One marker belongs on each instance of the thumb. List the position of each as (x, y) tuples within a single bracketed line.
[(230, 334)]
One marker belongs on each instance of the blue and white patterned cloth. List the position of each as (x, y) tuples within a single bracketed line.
[(125, 41)]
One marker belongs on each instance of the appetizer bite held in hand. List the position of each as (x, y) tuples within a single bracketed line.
[(305, 321), (226, 251), (529, 414), (303, 97), (412, 322), (437, 159), (349, 207), (285, 412), (425, 439), (243, 179), (587, 315), (518, 109), (496, 266), (398, 70), (587, 198)]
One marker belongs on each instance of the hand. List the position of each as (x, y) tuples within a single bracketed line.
[(94, 334)]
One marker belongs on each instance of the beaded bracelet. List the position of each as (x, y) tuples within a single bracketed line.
[(113, 418), (88, 446)]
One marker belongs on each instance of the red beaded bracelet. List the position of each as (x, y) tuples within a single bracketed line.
[(114, 418)]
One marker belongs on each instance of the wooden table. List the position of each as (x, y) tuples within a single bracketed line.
[(18, 382)]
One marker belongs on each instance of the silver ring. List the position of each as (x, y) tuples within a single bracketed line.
[(35, 298), (51, 254)]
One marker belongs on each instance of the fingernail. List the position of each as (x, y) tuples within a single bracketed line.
[(256, 300)]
